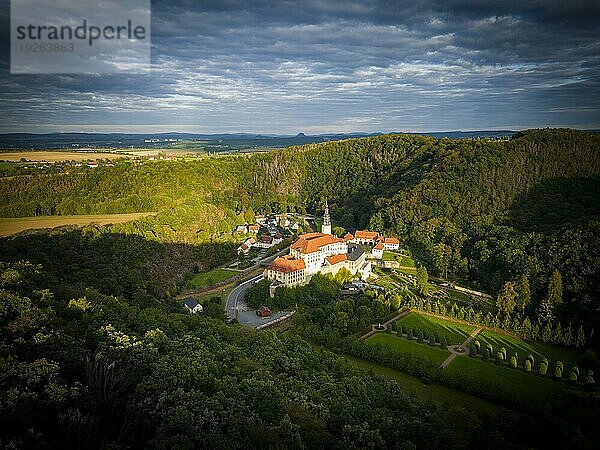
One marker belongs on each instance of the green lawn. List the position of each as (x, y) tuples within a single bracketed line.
[(456, 333), (403, 345), (206, 297), (211, 277), (459, 296), (502, 384), (406, 261), (389, 256), (415, 387), (434, 392), (407, 270), (524, 347)]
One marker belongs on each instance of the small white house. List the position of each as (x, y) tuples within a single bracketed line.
[(192, 306), (378, 250), (264, 242), (246, 246), (242, 229), (283, 220)]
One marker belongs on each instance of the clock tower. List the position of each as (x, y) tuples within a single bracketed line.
[(326, 228)]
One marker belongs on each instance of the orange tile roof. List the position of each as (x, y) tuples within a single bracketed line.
[(287, 264), (364, 234), (391, 240), (379, 246), (334, 259), (312, 242), (348, 237), (253, 227)]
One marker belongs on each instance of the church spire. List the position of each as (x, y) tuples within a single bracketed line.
[(326, 228)]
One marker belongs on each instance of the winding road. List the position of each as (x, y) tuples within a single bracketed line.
[(238, 294)]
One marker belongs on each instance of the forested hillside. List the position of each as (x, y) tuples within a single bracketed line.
[(94, 353), (482, 210)]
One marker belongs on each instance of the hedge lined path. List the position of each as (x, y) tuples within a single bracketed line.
[(464, 346), (384, 325)]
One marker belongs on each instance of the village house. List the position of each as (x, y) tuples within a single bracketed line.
[(264, 242), (246, 246), (269, 241), (263, 312), (377, 251), (365, 237), (282, 220), (192, 306), (390, 243), (242, 229)]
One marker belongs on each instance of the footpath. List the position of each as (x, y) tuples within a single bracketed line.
[(464, 349)]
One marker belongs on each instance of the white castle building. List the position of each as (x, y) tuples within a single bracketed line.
[(318, 253)]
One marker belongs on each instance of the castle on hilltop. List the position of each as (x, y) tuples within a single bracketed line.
[(319, 253)]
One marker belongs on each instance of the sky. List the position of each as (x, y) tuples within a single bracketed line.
[(324, 66)]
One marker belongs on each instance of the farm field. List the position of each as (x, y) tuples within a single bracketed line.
[(59, 156), (456, 333), (400, 344), (10, 226), (202, 279), (523, 348)]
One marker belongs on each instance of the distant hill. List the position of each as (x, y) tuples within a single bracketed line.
[(207, 142), (222, 142)]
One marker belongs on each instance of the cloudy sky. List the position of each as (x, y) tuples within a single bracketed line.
[(331, 66)]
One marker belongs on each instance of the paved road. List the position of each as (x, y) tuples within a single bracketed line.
[(237, 294)]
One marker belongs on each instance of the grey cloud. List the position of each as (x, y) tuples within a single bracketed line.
[(337, 66)]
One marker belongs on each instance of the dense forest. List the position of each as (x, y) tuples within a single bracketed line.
[(96, 354), (81, 369)]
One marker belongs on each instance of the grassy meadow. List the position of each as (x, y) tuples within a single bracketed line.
[(202, 279)]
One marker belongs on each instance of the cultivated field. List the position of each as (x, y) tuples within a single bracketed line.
[(59, 156), (16, 225)]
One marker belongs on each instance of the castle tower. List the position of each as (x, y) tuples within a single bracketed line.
[(326, 228)]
